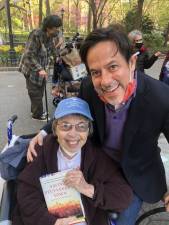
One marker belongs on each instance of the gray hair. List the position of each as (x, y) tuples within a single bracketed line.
[(133, 34)]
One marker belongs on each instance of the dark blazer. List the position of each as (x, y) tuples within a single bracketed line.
[(111, 190), (148, 116)]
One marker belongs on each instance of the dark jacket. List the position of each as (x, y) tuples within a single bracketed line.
[(148, 116), (144, 61), (112, 191)]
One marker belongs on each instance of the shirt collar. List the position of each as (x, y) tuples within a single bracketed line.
[(123, 105)]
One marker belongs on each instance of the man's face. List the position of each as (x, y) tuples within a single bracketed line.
[(110, 71), (138, 41), (53, 32)]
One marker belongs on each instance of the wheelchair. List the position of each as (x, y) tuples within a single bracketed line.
[(10, 172), (66, 80)]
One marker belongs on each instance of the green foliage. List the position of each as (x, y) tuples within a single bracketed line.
[(129, 22), (162, 13), (154, 41), (17, 23), (147, 24), (3, 19)]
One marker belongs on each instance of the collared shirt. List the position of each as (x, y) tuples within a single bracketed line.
[(115, 122)]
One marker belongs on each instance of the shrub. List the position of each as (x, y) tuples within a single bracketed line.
[(154, 41), (5, 55)]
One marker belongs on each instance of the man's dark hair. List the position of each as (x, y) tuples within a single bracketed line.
[(51, 21), (117, 36)]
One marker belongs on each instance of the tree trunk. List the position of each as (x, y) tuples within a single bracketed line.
[(139, 14), (68, 16), (89, 20), (77, 14), (97, 7), (94, 13), (40, 12), (47, 8), (32, 15)]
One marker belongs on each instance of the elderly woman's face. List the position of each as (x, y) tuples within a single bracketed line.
[(72, 132)]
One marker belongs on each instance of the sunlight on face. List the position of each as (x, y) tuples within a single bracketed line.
[(72, 140), (110, 71)]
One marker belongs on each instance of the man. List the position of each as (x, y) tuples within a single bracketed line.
[(129, 110), (144, 61), (35, 62)]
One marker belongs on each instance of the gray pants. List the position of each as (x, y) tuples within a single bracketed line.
[(35, 93)]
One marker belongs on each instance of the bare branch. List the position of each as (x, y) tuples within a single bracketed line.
[(101, 10), (18, 7), (109, 13)]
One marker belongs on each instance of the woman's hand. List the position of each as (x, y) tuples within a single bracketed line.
[(65, 221), (75, 179)]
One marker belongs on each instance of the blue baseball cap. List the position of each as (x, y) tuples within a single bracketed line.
[(72, 105)]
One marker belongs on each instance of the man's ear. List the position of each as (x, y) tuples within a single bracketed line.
[(132, 62)]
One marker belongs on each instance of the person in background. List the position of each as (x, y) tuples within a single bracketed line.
[(35, 62), (144, 61), (164, 75), (102, 188), (130, 111), (58, 42)]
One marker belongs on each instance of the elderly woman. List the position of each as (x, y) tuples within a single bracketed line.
[(94, 175)]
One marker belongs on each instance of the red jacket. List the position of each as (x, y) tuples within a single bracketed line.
[(112, 191)]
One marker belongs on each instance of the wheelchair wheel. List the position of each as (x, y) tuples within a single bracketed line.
[(157, 216), (56, 100)]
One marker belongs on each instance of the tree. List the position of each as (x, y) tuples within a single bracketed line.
[(89, 19), (77, 14), (47, 8), (147, 24), (97, 7), (40, 12), (139, 14)]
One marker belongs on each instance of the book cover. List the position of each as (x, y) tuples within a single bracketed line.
[(78, 71), (61, 200)]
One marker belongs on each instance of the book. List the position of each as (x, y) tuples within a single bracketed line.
[(78, 71), (61, 200)]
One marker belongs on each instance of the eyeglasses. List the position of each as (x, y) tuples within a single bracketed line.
[(80, 127)]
